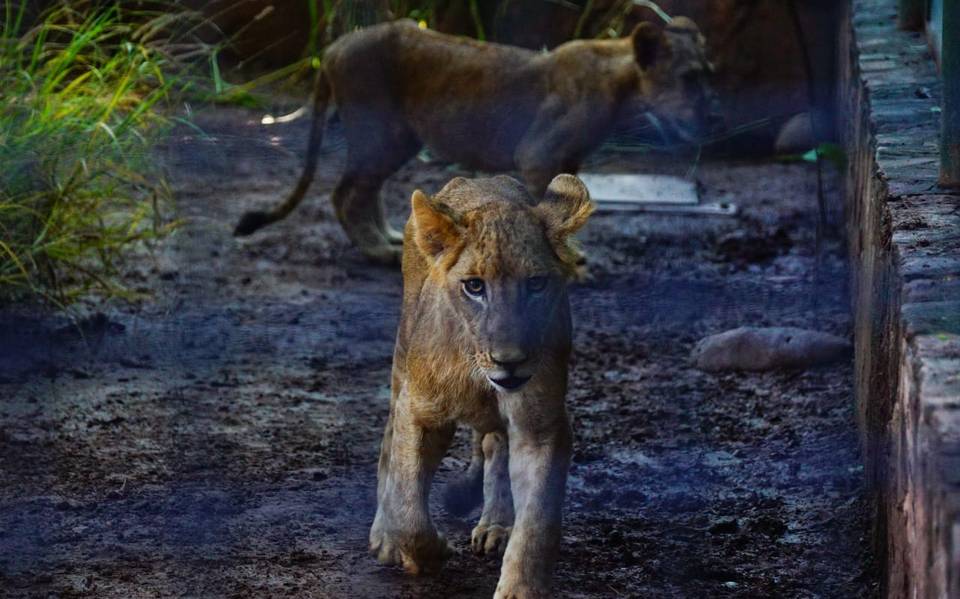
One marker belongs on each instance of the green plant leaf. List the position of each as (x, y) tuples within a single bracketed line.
[(83, 97)]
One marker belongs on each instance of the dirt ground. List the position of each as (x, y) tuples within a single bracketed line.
[(221, 439)]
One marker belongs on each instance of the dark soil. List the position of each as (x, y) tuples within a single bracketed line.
[(220, 440)]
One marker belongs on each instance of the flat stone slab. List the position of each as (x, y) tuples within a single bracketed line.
[(640, 189)]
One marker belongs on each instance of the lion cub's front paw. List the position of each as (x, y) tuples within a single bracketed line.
[(418, 554), (520, 591), (490, 538)]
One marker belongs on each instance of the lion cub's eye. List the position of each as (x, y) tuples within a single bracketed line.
[(474, 287), (536, 284)]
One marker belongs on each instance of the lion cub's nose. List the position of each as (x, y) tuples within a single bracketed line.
[(509, 358)]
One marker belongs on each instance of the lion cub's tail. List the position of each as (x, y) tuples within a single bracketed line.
[(466, 492), (253, 220)]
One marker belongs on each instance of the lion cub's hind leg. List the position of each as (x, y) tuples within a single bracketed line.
[(378, 144), (462, 494), (356, 200), (496, 521)]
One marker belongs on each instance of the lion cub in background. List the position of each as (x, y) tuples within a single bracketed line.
[(484, 339), (489, 107)]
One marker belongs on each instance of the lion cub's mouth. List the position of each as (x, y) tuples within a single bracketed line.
[(509, 383)]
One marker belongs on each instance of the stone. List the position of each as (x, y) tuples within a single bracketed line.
[(795, 136), (622, 188), (936, 318), (768, 348), (902, 232)]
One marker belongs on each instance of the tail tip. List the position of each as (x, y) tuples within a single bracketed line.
[(250, 222)]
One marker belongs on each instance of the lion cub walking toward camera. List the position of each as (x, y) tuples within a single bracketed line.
[(484, 339)]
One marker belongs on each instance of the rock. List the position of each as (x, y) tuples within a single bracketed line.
[(796, 135), (770, 348)]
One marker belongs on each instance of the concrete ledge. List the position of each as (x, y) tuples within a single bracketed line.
[(904, 241)]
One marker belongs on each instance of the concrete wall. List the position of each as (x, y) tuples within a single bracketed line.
[(904, 243)]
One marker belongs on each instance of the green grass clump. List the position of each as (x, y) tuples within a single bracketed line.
[(80, 92)]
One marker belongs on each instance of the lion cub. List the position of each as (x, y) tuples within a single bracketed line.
[(484, 339), (489, 107)]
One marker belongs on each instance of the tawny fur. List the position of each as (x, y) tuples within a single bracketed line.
[(449, 343), (488, 107)]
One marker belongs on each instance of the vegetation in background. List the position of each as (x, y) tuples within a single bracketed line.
[(80, 96), (830, 152), (85, 92)]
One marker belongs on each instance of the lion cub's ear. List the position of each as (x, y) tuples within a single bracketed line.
[(648, 41), (435, 229), (565, 208)]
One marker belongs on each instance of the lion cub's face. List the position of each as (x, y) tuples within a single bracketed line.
[(502, 265), (674, 79)]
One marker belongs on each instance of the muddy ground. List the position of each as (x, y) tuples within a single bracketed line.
[(220, 440)]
